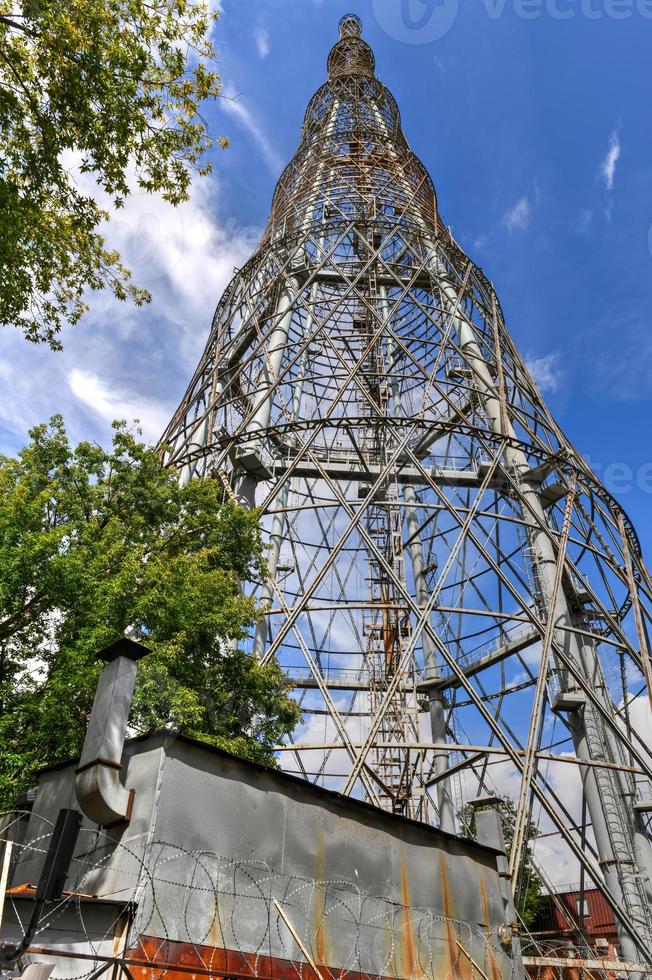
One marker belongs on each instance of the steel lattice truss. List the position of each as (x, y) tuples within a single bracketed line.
[(437, 546)]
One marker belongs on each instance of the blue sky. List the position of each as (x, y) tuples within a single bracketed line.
[(533, 117)]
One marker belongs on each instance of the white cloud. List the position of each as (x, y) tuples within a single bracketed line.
[(235, 106), (608, 166), (552, 853), (545, 371), (479, 244), (110, 403), (640, 715), (517, 217), (321, 730), (177, 248), (261, 36)]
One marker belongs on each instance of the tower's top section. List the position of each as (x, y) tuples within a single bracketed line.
[(351, 55), (350, 26), (353, 163)]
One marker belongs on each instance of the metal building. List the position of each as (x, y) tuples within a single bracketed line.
[(456, 596), (226, 869)]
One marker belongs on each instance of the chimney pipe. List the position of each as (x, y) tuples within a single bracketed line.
[(100, 793)]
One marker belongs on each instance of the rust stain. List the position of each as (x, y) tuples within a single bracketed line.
[(494, 970), (319, 905), (166, 959), (214, 937), (28, 889), (485, 904), (493, 966), (449, 907), (409, 958), (458, 966)]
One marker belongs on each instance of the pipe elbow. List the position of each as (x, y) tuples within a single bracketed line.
[(101, 795)]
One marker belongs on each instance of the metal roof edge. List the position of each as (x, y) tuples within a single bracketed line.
[(163, 735)]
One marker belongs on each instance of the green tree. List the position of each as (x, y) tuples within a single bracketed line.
[(530, 898), (95, 542), (115, 86)]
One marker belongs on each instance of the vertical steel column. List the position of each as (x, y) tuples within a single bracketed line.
[(436, 706), (248, 456), (245, 481), (587, 728), (279, 519), (198, 439)]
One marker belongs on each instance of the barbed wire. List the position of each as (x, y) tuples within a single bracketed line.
[(175, 909), (145, 903)]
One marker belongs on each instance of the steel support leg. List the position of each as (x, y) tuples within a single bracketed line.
[(436, 708), (609, 820)]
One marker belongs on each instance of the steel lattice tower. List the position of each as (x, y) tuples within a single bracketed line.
[(437, 546)]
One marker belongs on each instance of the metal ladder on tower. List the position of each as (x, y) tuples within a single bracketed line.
[(618, 820), (385, 624)]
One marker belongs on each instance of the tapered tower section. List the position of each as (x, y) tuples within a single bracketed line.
[(458, 600)]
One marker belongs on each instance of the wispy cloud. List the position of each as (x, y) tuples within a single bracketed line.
[(235, 106), (261, 36), (610, 162), (545, 371), (517, 218), (622, 366), (584, 221), (179, 251)]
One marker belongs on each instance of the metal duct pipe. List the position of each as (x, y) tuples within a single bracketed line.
[(100, 793), (489, 830)]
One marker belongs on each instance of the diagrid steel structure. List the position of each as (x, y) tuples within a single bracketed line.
[(458, 600)]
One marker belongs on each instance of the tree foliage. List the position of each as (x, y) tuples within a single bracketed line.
[(95, 542), (114, 87), (530, 898)]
